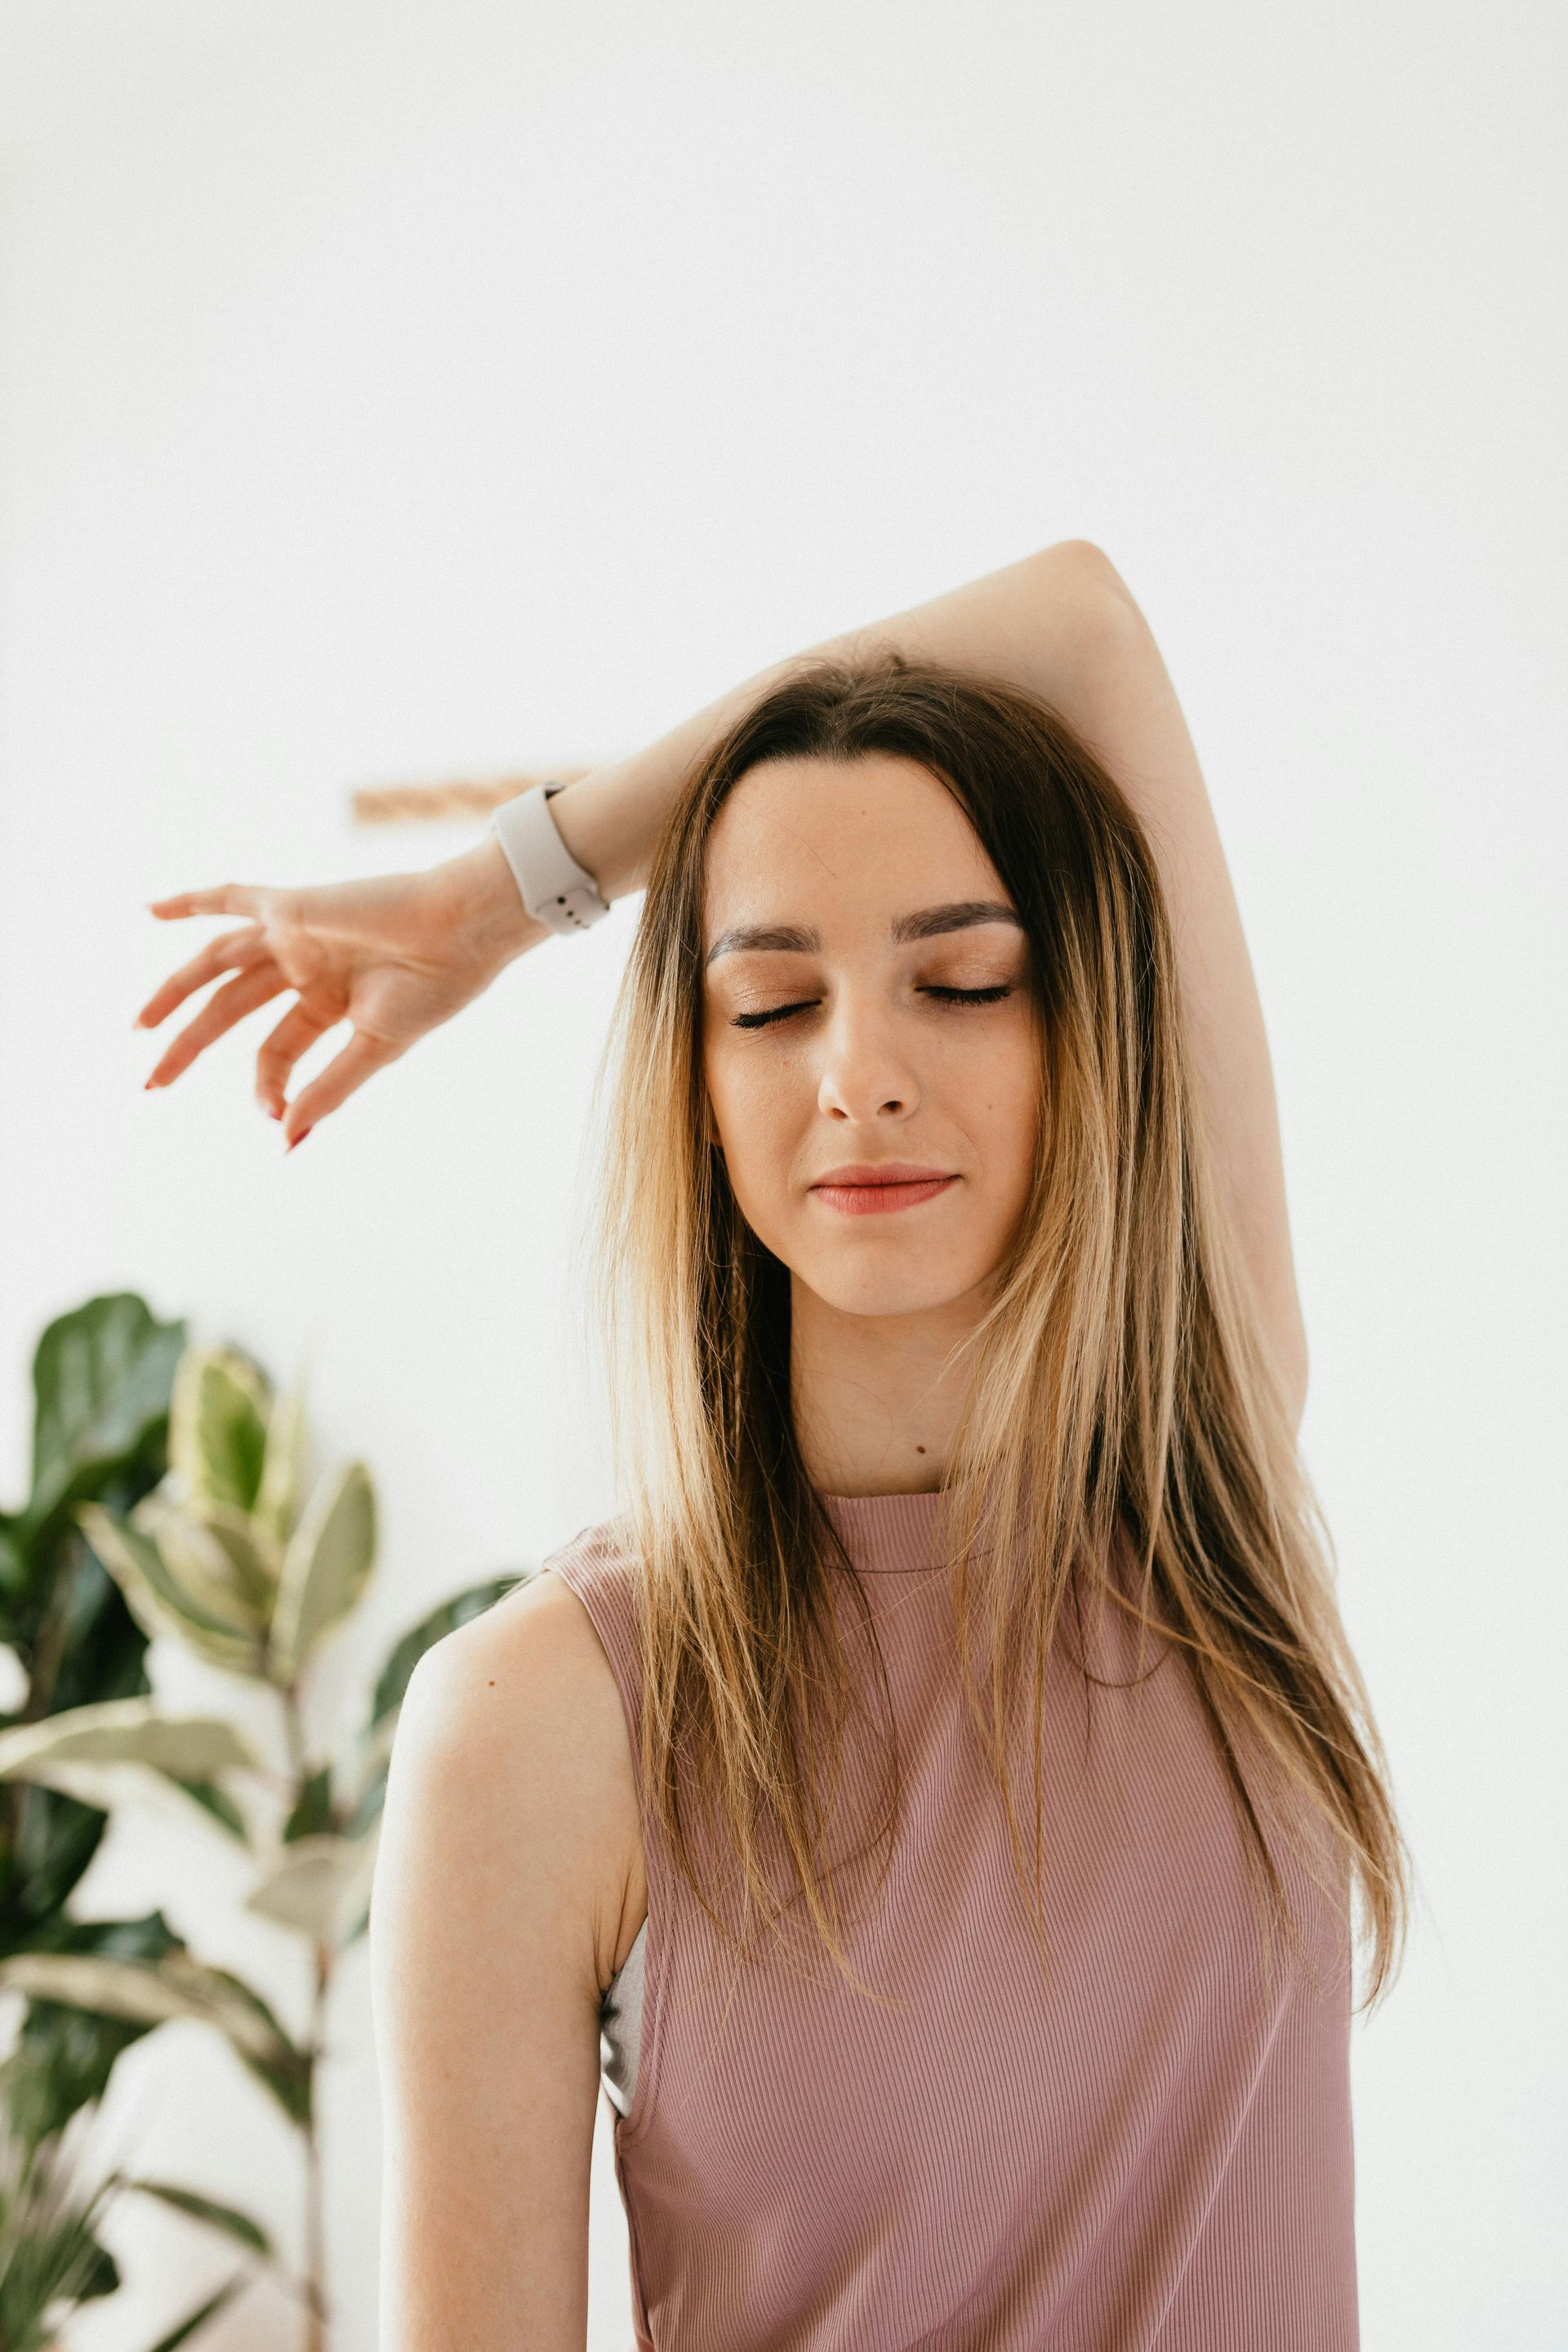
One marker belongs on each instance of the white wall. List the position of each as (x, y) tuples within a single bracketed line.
[(395, 392)]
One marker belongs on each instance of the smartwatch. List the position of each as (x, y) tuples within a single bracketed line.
[(554, 888)]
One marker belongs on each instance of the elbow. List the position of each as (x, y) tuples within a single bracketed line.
[(1085, 562)]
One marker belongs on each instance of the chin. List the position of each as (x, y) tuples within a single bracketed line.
[(886, 1289)]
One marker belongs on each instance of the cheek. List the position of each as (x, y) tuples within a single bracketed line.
[(1014, 1108), (751, 1112)]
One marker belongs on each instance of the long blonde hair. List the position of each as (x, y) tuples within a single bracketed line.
[(1122, 1402)]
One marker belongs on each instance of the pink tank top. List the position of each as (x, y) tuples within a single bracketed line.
[(1149, 2147)]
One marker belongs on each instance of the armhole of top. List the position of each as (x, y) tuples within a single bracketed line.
[(609, 1613)]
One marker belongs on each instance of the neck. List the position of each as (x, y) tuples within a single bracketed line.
[(875, 1397)]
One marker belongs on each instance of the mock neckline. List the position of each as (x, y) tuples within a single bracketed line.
[(891, 1535)]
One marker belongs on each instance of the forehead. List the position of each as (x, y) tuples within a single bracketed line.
[(835, 834)]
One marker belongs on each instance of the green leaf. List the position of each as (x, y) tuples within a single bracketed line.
[(473, 1603), (117, 1788), (199, 1565), (127, 1730), (199, 2317), (13, 1560), (101, 1378), (82, 1620), (50, 2255), (318, 1885), (122, 1752), (281, 1492), (217, 1425), (80, 1642), (236, 1552), (146, 1937), (221, 1806), (325, 1568), (62, 2064), (177, 1986), (226, 2217), (312, 1811), (102, 2276), (63, 2056), (287, 2071), (46, 1841), (158, 1603)]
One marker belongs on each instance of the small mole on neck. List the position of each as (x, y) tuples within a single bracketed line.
[(920, 1449)]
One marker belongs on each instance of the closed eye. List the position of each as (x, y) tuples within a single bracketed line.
[(943, 996)]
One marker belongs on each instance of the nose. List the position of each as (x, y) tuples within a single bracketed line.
[(866, 1072)]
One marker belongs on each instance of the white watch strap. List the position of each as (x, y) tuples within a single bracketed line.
[(553, 887)]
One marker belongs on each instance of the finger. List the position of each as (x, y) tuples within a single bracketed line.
[(231, 1003), (223, 899), (348, 1069), (232, 951), (278, 1053)]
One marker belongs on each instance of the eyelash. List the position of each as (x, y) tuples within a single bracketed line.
[(945, 995)]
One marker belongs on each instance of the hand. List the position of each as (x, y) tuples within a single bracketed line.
[(395, 955)]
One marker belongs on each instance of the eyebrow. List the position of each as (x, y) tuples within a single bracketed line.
[(924, 923)]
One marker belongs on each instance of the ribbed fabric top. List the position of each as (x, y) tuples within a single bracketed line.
[(1148, 2146)]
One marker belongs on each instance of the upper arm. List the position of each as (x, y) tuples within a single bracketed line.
[(500, 1880), (1118, 694)]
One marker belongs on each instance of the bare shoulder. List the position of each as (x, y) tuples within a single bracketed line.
[(521, 1708)]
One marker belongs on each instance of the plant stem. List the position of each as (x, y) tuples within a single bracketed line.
[(294, 1731), (313, 2283), (316, 2308)]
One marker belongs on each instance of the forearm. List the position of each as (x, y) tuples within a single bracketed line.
[(1035, 622)]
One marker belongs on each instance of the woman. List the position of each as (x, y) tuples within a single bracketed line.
[(945, 1783)]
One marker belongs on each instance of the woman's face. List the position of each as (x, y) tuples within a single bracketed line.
[(866, 1009)]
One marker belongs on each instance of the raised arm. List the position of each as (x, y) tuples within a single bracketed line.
[(1064, 624), (396, 954)]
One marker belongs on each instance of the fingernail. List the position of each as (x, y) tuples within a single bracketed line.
[(304, 1131)]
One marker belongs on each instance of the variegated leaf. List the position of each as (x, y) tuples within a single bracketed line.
[(319, 1885), (200, 1564), (148, 1993), (112, 1788), (215, 1550), (159, 1605), (325, 1568), (120, 1752), (127, 1731), (281, 1493), (218, 1412)]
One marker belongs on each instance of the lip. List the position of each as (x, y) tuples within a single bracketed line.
[(868, 1189), (880, 1171)]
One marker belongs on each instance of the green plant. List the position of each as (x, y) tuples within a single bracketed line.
[(49, 2254), (102, 1381), (235, 1554), (51, 2262)]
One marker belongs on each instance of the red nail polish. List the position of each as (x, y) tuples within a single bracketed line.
[(304, 1131)]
